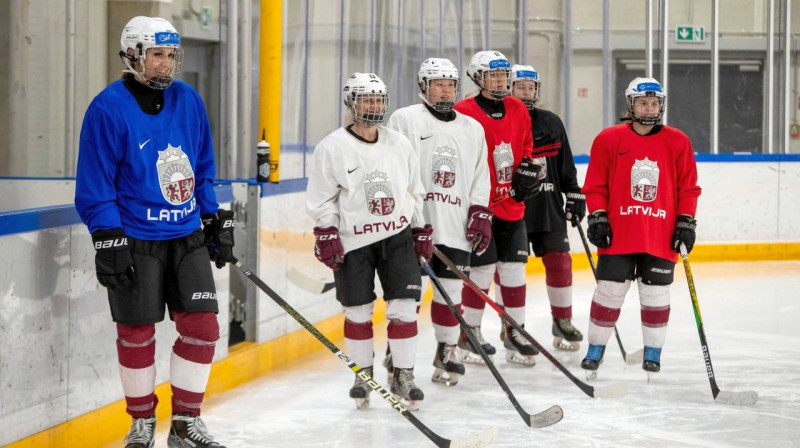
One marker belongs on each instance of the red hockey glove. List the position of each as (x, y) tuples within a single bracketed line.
[(328, 247), (423, 241), (479, 227)]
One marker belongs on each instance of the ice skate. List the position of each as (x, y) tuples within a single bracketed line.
[(565, 336), (405, 390), (190, 432), (448, 368), (141, 434), (467, 353), (518, 349), (652, 361), (593, 359), (360, 390)]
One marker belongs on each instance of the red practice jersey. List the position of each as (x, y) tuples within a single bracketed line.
[(644, 182), (508, 140)]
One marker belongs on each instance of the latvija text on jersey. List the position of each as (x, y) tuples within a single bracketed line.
[(171, 215)]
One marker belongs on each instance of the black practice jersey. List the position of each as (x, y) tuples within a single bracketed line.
[(545, 211)]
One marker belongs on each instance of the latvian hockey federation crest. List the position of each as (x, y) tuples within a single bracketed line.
[(503, 163), (444, 166), (644, 180), (380, 200), (175, 175)]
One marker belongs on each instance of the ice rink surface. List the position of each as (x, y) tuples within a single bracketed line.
[(751, 313)]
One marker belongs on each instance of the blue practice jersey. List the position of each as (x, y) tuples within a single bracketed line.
[(152, 175)]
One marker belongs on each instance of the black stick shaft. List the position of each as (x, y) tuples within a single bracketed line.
[(594, 272), (587, 389), (380, 390), (475, 344)]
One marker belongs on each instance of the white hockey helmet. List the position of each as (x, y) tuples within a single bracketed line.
[(363, 84), (488, 61), (143, 33), (645, 87), (437, 68), (526, 72)]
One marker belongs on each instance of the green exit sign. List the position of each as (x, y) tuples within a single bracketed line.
[(690, 34)]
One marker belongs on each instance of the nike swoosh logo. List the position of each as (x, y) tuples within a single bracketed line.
[(425, 138), (623, 153), (141, 145), (350, 171)]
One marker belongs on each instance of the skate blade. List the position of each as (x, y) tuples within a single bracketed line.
[(591, 374), (443, 377), (362, 403), (650, 376), (411, 405), (514, 357), (468, 357), (565, 345)]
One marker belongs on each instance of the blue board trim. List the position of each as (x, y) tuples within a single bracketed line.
[(34, 219), (711, 158)]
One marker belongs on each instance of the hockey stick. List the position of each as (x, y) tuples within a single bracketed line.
[(631, 359), (307, 283), (744, 398), (474, 441), (613, 391), (543, 419)]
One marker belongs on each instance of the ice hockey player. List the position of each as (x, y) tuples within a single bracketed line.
[(514, 177), (365, 196), (452, 153), (641, 189), (144, 186), (546, 214)]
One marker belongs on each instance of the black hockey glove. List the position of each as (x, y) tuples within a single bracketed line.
[(599, 229), (575, 207), (525, 183), (219, 236), (113, 260), (684, 233)]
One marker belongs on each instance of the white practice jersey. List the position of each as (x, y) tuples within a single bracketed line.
[(369, 191), (453, 169)]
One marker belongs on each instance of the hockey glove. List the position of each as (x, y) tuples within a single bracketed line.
[(328, 247), (525, 183), (479, 227), (575, 207), (423, 241), (684, 233), (599, 229), (218, 229), (113, 260)]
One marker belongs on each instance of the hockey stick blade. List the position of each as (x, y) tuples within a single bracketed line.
[(476, 440), (479, 441), (745, 398), (613, 391), (632, 359), (543, 419), (307, 283)]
